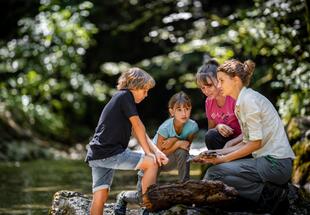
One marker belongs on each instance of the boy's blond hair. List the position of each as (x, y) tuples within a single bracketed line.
[(135, 78)]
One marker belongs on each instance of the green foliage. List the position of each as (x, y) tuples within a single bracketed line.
[(41, 70), (275, 33), (302, 162), (293, 130), (272, 33), (21, 151), (61, 68)]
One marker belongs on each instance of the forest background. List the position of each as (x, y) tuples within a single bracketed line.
[(60, 60)]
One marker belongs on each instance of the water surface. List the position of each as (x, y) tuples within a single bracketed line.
[(28, 187)]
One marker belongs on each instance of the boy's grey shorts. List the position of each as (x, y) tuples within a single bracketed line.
[(103, 170)]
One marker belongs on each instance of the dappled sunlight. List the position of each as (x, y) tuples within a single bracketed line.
[(12, 211), (42, 189), (32, 206), (60, 62)]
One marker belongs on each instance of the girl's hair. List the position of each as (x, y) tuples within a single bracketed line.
[(179, 99), (135, 78), (235, 68), (207, 71)]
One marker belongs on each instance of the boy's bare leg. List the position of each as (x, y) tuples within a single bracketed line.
[(150, 174), (99, 199)]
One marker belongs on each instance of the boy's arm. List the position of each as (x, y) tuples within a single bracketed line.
[(145, 142), (160, 156), (140, 133)]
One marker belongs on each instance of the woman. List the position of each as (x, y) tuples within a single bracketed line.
[(262, 178)]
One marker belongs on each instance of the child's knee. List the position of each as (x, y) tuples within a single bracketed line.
[(148, 163), (182, 153), (210, 136), (213, 173)]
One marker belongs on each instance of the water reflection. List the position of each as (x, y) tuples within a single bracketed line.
[(28, 187)]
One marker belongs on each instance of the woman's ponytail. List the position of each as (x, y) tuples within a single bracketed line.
[(234, 68), (249, 67)]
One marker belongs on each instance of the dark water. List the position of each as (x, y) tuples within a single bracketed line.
[(28, 187)]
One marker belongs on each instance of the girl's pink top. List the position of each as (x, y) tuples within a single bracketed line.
[(223, 115)]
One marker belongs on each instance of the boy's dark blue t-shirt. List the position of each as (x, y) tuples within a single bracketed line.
[(114, 127)]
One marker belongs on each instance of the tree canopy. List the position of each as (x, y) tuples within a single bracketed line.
[(59, 62)]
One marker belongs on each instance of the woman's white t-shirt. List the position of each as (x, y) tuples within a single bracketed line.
[(259, 120)]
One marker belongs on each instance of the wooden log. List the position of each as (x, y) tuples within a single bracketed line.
[(192, 192), (71, 202)]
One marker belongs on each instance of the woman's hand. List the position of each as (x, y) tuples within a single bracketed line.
[(224, 130), (215, 160)]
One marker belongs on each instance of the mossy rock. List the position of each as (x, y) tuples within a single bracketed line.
[(301, 171)]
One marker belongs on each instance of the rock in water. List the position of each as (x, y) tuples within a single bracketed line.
[(192, 192), (75, 203), (69, 202)]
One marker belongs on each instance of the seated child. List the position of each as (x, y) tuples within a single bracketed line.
[(223, 127), (173, 138)]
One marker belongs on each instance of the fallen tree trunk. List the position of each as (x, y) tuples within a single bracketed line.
[(70, 202), (192, 192)]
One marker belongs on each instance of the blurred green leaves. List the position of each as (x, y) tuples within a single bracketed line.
[(41, 70), (60, 69)]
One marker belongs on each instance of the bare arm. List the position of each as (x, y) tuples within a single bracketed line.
[(230, 149), (160, 156), (171, 149), (211, 124), (243, 149), (145, 142), (191, 138), (140, 133), (234, 141), (167, 146), (152, 146), (165, 143)]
